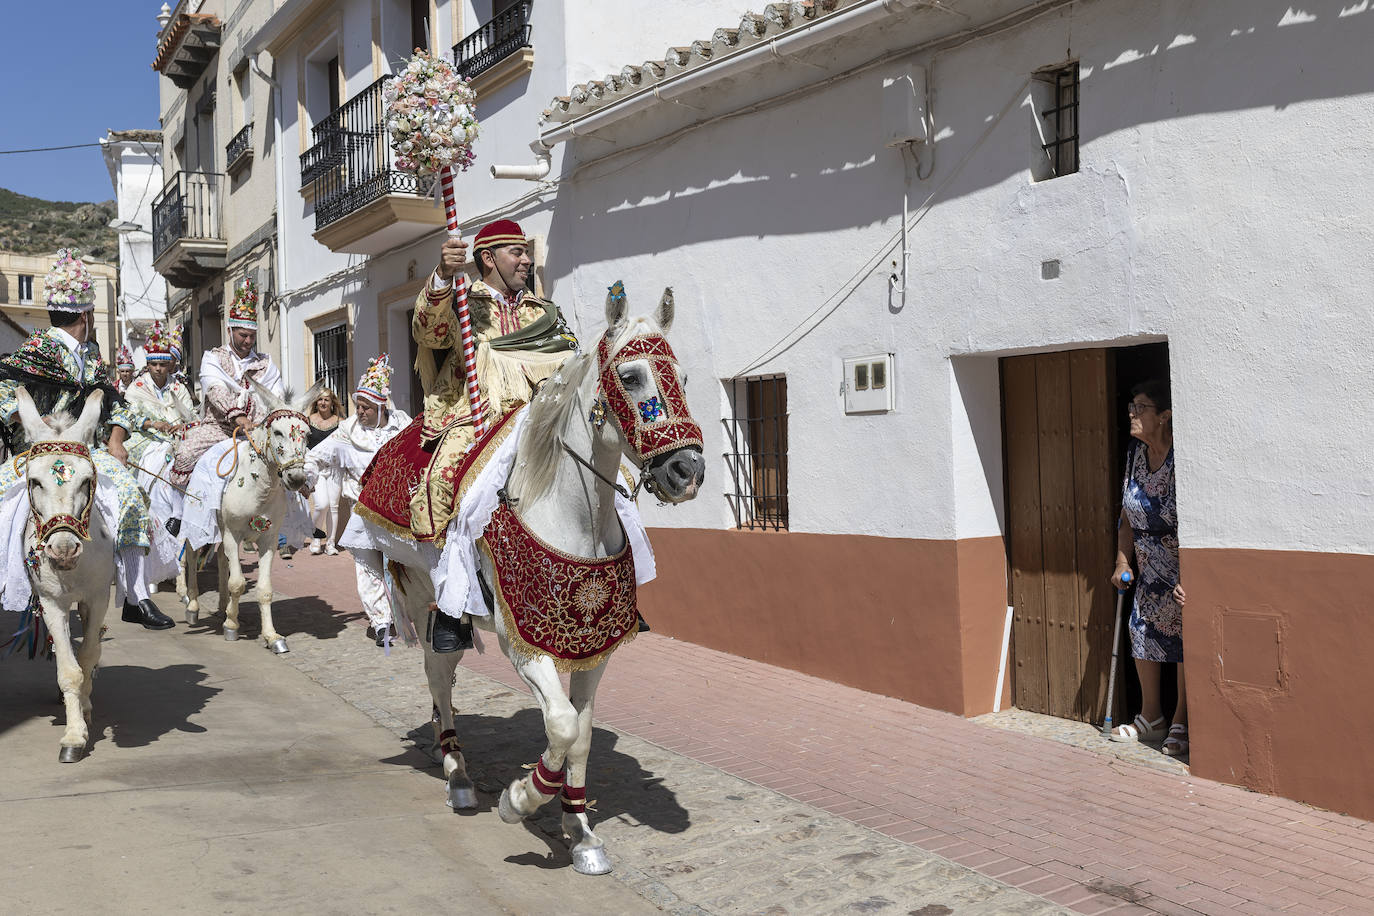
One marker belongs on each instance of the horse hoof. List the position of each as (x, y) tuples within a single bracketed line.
[(590, 860), (231, 634), (279, 646), (461, 795), (193, 617), (71, 754), (506, 810)]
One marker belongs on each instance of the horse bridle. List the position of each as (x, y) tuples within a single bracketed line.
[(283, 467), (46, 528)]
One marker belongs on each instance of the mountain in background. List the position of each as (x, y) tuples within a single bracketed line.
[(40, 227)]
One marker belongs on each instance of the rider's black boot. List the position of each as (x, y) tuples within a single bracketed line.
[(448, 634), (146, 613)]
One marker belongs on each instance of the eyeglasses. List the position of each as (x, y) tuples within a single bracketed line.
[(1135, 408)]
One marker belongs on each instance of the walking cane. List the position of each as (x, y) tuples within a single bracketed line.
[(1116, 649)]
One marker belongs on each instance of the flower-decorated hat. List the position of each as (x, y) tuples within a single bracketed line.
[(174, 345), (375, 384), (124, 358), (502, 232), (158, 347), (243, 311), (69, 287)]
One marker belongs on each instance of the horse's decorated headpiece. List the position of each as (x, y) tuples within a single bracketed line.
[(63, 472), (655, 418), (243, 311), (375, 384), (68, 286), (158, 347)]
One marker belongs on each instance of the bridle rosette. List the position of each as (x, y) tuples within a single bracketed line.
[(79, 526), (660, 422)]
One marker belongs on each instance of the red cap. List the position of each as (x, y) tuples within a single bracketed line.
[(495, 235)]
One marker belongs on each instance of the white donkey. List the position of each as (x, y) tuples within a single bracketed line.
[(562, 493), (69, 552), (257, 474)]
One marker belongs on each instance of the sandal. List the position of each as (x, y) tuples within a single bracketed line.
[(1139, 730), (1176, 745)]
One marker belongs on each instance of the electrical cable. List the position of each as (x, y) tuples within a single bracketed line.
[(46, 149)]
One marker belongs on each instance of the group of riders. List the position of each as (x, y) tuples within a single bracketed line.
[(163, 454)]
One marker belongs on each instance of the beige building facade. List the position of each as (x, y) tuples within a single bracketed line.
[(21, 294)]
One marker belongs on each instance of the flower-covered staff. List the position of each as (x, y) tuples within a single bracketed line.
[(347, 453), (59, 366)]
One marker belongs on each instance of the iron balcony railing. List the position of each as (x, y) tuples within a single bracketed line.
[(494, 41), (351, 162), (187, 208), (242, 143)]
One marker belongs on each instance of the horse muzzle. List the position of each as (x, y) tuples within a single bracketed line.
[(678, 475), (63, 550), (294, 479)]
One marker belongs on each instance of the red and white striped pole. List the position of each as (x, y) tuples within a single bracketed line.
[(460, 298)]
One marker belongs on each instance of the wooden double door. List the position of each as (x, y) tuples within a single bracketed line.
[(1061, 443)]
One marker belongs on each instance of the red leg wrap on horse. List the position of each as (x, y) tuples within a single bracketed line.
[(448, 742), (574, 799), (546, 782)]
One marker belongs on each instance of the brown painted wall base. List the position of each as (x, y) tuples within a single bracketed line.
[(1287, 708), (920, 620)]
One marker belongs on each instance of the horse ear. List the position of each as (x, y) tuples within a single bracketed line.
[(666, 310), (616, 304), (83, 430), (264, 394), (34, 427), (302, 403)]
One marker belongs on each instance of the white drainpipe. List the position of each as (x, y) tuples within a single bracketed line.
[(284, 361), (536, 172)]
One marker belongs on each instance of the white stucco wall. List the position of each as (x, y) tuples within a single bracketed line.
[(1220, 205), (136, 173)]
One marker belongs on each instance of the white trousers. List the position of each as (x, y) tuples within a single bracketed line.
[(367, 565)]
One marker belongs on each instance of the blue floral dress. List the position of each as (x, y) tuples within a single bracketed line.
[(1150, 502)]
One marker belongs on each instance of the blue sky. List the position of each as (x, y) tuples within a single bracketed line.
[(71, 70)]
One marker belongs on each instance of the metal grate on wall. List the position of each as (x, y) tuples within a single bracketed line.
[(331, 359), (1062, 118), (756, 433)]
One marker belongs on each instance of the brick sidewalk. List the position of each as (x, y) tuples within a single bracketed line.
[(1079, 828)]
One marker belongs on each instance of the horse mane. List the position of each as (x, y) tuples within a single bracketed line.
[(553, 408)]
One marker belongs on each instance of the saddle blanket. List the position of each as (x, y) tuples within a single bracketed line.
[(15, 588), (205, 493), (454, 570)]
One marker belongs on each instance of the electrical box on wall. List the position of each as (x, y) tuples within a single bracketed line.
[(868, 384), (904, 107)]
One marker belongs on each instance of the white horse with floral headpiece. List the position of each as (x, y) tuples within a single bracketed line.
[(554, 557), (258, 470), (69, 552)]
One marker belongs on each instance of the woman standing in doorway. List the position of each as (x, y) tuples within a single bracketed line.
[(1148, 530), (324, 419)]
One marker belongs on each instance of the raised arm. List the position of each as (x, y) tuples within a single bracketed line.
[(435, 325)]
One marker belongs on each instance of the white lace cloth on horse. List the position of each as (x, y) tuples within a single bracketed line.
[(15, 588), (455, 578), (205, 492)]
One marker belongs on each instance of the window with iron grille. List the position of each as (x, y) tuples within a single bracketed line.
[(331, 359), (1056, 99), (25, 289), (756, 434)]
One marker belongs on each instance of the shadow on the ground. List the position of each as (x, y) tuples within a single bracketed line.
[(618, 786), (292, 616), (139, 705)]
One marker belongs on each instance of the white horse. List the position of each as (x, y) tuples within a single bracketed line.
[(561, 489), (258, 473), (69, 552)]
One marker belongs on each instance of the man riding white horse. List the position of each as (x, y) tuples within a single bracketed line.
[(414, 485), (59, 366), (161, 408), (226, 376), (347, 453)]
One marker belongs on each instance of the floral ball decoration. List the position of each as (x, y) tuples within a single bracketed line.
[(430, 115), (68, 285)]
